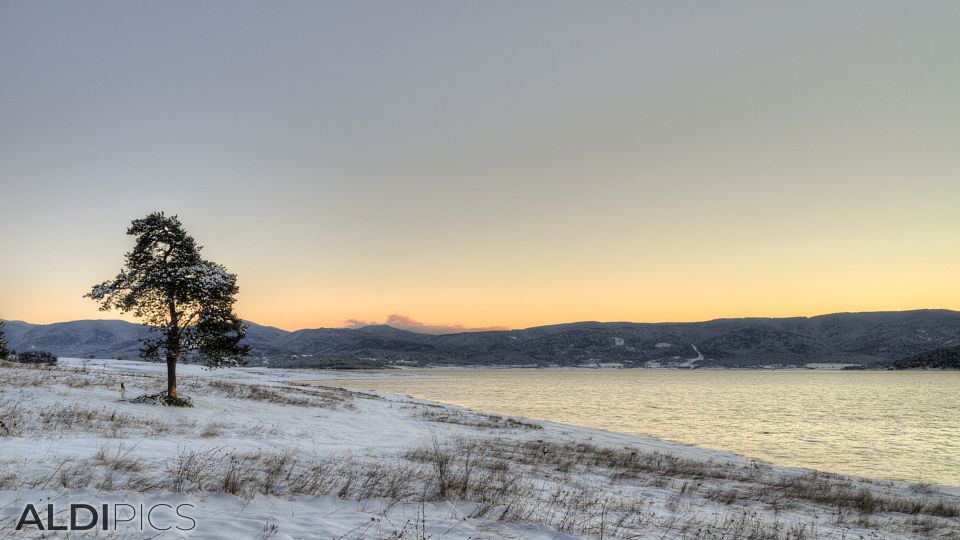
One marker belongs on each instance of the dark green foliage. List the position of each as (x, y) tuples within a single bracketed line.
[(187, 300), (36, 357), (326, 361), (945, 358), (4, 351)]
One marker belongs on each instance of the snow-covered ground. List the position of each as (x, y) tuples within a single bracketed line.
[(260, 456), (258, 375)]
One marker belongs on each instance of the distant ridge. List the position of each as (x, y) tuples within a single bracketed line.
[(872, 339)]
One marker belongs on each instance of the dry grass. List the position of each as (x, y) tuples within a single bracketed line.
[(842, 493), (284, 395), (20, 420), (580, 489), (754, 482), (575, 489), (281, 473), (212, 430), (22, 375), (469, 418), (13, 374), (119, 458), (487, 472), (505, 488)]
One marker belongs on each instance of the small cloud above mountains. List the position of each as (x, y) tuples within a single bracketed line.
[(407, 323)]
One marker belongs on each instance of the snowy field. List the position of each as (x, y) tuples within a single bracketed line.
[(262, 457)]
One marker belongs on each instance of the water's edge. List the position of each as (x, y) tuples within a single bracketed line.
[(825, 429)]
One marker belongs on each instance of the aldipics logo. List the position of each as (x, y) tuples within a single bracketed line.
[(107, 517)]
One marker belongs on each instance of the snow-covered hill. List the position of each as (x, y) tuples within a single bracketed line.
[(871, 339)]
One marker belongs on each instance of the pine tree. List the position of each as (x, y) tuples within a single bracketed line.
[(4, 351), (176, 293)]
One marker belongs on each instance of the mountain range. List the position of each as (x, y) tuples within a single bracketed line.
[(873, 339)]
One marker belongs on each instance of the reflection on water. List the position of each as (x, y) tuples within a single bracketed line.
[(902, 425)]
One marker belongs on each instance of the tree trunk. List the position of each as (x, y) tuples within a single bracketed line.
[(171, 375), (173, 354), (173, 348)]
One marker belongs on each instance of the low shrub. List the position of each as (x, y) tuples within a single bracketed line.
[(164, 399), (36, 357)]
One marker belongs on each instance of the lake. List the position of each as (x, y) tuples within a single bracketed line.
[(899, 425)]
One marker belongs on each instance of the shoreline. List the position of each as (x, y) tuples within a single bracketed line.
[(352, 380), (350, 374), (102, 448), (834, 428), (308, 377)]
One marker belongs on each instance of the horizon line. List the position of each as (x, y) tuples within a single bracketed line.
[(478, 331)]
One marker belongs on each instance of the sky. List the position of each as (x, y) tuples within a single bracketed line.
[(459, 165)]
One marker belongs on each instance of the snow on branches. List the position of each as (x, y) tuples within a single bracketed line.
[(188, 300)]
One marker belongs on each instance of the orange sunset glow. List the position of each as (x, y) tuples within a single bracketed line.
[(528, 270), (644, 174)]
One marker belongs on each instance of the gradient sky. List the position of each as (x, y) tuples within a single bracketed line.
[(489, 163)]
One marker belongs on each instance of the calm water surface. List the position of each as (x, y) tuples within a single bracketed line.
[(903, 425)]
